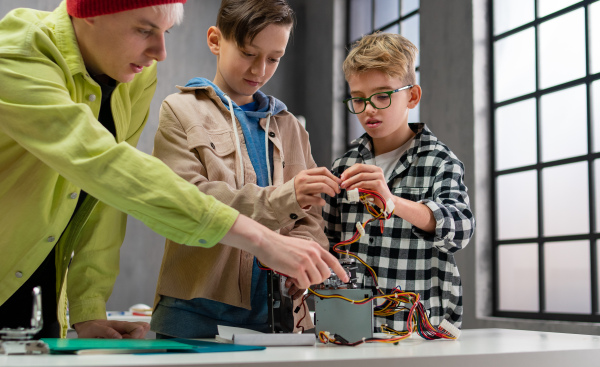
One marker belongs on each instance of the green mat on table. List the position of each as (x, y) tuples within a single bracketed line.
[(133, 346)]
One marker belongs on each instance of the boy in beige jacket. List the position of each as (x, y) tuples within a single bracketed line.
[(248, 151)]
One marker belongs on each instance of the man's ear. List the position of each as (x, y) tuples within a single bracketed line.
[(213, 39), (90, 21), (415, 96)]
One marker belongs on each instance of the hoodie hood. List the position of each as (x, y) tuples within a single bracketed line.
[(266, 104)]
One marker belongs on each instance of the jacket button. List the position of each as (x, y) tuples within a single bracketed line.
[(294, 216), (73, 195), (202, 241), (50, 239), (271, 134), (212, 145), (92, 97), (18, 274)]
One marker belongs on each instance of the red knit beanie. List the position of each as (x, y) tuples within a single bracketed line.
[(92, 8)]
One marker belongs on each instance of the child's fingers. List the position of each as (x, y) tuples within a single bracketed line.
[(323, 172)]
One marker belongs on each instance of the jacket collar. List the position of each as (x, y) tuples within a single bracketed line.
[(423, 141), (66, 41)]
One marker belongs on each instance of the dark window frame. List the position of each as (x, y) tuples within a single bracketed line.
[(593, 236)]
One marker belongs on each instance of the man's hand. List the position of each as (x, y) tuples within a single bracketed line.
[(311, 183), (111, 329), (305, 261), (366, 176)]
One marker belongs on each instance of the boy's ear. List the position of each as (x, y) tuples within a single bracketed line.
[(415, 96), (213, 39)]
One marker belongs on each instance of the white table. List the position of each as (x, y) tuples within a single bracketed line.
[(477, 347)]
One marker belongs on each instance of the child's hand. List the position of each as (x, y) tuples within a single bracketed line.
[(311, 183), (293, 290), (366, 176)]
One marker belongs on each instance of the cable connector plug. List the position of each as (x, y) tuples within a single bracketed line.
[(360, 228), (447, 328), (353, 195), (389, 207)]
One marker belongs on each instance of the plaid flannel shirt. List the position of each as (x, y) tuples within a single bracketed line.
[(403, 255)]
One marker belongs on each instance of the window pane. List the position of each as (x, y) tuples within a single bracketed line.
[(518, 277), (386, 11), (360, 19), (409, 6), (414, 115), (594, 37), (597, 190), (393, 29), (595, 99), (515, 134), (517, 205), (410, 30), (509, 14), (564, 124), (566, 199), (567, 267), (562, 49), (546, 7), (514, 62)]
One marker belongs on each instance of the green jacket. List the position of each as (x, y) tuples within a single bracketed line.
[(52, 147)]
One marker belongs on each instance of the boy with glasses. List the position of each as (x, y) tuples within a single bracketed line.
[(414, 172)]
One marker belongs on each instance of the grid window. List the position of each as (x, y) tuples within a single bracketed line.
[(545, 98), (393, 16)]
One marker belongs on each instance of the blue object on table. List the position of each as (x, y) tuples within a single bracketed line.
[(134, 346)]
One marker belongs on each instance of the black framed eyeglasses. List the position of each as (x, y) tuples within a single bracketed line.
[(379, 100)]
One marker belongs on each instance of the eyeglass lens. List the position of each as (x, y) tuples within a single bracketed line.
[(378, 100)]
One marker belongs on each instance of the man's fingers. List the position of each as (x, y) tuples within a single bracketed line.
[(135, 330), (334, 264)]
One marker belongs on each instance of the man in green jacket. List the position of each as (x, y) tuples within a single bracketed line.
[(75, 92)]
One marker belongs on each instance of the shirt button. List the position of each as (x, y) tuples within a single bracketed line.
[(18, 274), (92, 97), (271, 134), (50, 239), (294, 216), (202, 241), (212, 145), (283, 164), (73, 195)]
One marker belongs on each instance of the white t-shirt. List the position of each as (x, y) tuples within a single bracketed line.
[(387, 161)]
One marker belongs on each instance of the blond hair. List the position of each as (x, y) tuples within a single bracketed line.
[(386, 52), (173, 12)]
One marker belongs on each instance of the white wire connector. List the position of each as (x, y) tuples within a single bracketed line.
[(353, 195), (447, 328), (360, 228), (389, 207)]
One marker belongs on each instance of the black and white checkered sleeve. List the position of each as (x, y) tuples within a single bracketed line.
[(455, 222)]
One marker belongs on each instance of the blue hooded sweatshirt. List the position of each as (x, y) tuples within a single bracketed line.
[(249, 116)]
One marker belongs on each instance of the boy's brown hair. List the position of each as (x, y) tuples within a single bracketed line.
[(242, 20), (387, 52)]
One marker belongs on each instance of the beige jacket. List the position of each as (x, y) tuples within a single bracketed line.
[(195, 138)]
